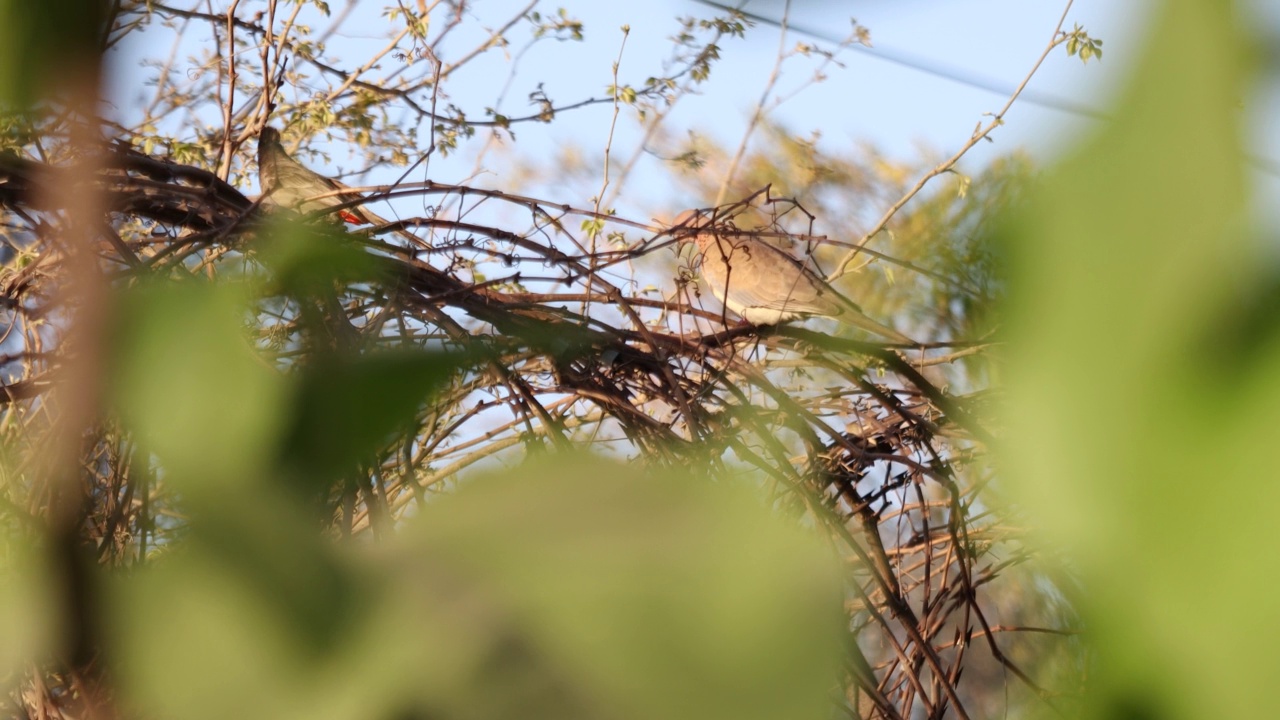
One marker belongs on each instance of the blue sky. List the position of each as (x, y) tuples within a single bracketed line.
[(899, 109), (892, 106)]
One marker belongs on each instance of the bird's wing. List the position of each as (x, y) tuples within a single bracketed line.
[(754, 274), (746, 273)]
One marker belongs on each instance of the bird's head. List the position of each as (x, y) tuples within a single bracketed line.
[(687, 218), (269, 136), (684, 227)]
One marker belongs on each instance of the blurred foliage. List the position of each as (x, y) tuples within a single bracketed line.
[(1139, 424), (46, 46), (314, 484), (574, 589)]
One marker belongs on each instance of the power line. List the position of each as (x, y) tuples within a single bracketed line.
[(929, 66)]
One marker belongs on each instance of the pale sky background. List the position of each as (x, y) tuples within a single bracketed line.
[(899, 109)]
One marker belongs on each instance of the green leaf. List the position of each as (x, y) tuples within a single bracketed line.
[(45, 45), (251, 615), (309, 258), (592, 226), (346, 408), (579, 584), (187, 380), (569, 589), (27, 608), (1141, 454)]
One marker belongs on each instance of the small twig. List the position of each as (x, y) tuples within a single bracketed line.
[(225, 151), (980, 134), (758, 113)]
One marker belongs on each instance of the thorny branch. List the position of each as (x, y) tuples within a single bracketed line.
[(864, 456)]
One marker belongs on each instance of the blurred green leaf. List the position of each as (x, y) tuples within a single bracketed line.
[(26, 608), (247, 618), (1125, 423), (306, 259), (43, 43), (635, 596), (580, 589), (346, 408), (188, 381)]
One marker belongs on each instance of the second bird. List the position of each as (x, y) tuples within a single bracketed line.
[(767, 286)]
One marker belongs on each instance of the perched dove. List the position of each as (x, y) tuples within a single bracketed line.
[(767, 286), (287, 183)]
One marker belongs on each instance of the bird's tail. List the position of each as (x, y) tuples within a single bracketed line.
[(854, 316)]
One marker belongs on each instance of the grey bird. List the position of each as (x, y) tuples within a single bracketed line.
[(288, 183), (766, 285)]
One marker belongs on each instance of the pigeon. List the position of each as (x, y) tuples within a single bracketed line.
[(288, 183), (766, 285)]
